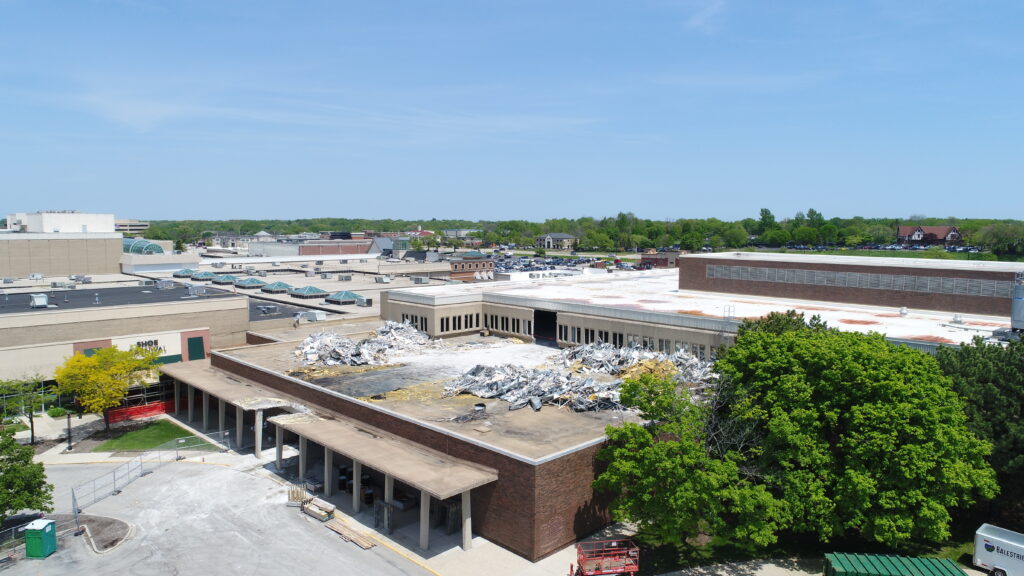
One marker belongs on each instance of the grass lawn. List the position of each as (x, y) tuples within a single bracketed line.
[(153, 435)]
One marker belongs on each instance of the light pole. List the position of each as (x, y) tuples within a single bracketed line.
[(69, 431)]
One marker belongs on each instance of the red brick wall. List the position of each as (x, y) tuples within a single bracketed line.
[(693, 276), (531, 510), (328, 249), (252, 338)]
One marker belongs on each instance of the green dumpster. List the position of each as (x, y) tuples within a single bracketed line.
[(877, 565), (40, 539)]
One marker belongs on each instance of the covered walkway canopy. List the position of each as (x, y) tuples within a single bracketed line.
[(434, 474), (417, 466)]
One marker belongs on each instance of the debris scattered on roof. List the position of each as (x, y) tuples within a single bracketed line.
[(331, 349), (521, 386)]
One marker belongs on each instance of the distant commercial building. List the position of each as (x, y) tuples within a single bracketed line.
[(310, 248), (556, 241), (472, 266), (59, 244), (655, 259), (131, 227)]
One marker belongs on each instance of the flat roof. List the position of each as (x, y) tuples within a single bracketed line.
[(412, 387), (441, 475), (930, 263), (419, 467), (233, 389), (84, 296), (654, 297)]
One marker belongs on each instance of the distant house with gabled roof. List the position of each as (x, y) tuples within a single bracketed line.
[(928, 235)]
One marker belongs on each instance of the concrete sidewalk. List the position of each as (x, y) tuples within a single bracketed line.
[(48, 428)]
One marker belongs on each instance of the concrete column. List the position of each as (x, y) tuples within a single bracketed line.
[(188, 395), (280, 445), (221, 416), (330, 478), (206, 410), (424, 520), (177, 397), (389, 488), (357, 485), (239, 427), (467, 522), (257, 429), (303, 453)]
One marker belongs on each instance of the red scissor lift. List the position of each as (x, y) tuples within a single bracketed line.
[(606, 557)]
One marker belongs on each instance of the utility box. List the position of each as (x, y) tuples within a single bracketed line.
[(40, 538)]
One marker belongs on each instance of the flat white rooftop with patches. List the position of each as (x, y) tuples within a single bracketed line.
[(654, 296)]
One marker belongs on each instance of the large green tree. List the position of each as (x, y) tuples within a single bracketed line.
[(810, 431), (990, 378), (101, 380), (670, 484), (22, 482), (856, 436)]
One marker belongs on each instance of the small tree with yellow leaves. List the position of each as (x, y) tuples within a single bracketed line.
[(102, 380)]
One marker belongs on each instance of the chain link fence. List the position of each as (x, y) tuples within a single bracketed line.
[(111, 483)]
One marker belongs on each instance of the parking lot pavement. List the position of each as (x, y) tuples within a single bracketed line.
[(195, 518)]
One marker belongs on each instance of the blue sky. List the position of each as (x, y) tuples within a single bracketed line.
[(527, 109)]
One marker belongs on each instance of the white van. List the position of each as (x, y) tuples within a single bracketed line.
[(998, 550)]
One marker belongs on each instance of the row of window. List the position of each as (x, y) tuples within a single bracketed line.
[(899, 282), (460, 322), (417, 321), (472, 265), (508, 324), (578, 335)]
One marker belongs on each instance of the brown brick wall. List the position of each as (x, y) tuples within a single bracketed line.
[(505, 512), (567, 507), (693, 276)]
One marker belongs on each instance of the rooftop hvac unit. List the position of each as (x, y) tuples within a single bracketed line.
[(325, 276), (86, 279), (362, 260), (236, 266), (164, 284), (275, 263), (39, 301), (250, 268), (267, 310), (420, 280), (344, 277), (319, 262), (8, 280), (310, 273), (218, 264), (147, 283), (317, 269), (196, 290), (35, 276), (262, 273), (382, 279), (365, 302)]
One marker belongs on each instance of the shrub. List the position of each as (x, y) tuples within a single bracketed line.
[(56, 411)]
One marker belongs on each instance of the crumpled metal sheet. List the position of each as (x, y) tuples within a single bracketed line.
[(331, 349), (521, 386)]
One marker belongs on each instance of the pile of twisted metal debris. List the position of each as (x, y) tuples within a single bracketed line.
[(521, 386), (331, 349)]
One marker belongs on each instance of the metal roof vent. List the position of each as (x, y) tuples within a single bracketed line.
[(97, 295), (39, 301), (958, 319), (1017, 304)]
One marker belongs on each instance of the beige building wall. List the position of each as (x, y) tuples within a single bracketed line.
[(227, 318), (573, 329), (20, 257)]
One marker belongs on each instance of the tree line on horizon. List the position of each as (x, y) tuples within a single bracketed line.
[(626, 231)]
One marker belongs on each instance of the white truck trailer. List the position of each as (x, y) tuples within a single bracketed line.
[(998, 550)]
